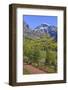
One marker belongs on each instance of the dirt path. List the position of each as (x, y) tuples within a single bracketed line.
[(33, 70)]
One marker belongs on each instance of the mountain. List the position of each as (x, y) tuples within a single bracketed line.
[(28, 32), (40, 30), (26, 29), (53, 32)]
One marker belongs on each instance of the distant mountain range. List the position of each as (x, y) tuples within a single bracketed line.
[(40, 30)]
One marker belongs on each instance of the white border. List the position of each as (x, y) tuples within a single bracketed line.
[(38, 77)]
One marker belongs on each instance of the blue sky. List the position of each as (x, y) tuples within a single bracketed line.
[(33, 21)]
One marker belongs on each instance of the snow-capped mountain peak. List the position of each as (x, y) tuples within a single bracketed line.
[(41, 30)]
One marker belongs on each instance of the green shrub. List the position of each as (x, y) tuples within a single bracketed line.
[(51, 57)]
